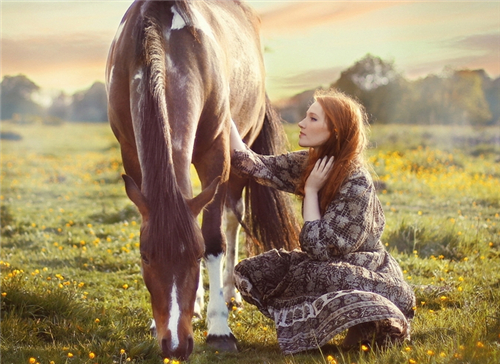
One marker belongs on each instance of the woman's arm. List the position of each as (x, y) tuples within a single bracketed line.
[(353, 219), (281, 171), (314, 183), (235, 139)]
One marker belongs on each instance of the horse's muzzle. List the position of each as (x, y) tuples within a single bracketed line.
[(182, 352)]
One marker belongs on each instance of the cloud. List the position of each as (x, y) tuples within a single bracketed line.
[(484, 42), (45, 53), (310, 79), (488, 62), (483, 52), (297, 16)]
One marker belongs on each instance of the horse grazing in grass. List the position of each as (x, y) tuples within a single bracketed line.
[(177, 72)]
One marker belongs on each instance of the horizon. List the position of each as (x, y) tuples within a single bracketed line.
[(306, 43)]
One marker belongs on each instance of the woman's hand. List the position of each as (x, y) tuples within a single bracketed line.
[(235, 139), (319, 174), (314, 182)]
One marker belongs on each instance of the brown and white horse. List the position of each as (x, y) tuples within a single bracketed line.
[(177, 72)]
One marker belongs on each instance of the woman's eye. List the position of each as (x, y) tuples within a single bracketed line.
[(314, 119)]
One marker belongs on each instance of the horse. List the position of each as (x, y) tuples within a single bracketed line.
[(177, 73)]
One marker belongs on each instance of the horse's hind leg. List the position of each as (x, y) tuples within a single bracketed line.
[(199, 303), (231, 295)]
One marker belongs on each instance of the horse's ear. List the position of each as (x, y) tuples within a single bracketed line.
[(198, 203), (135, 195)]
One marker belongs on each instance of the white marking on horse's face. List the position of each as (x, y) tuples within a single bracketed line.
[(177, 21), (175, 314), (217, 310)]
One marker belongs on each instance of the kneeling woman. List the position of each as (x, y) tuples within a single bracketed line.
[(342, 278)]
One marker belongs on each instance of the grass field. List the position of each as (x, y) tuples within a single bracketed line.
[(72, 291)]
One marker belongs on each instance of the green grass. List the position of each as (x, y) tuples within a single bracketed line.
[(70, 274)]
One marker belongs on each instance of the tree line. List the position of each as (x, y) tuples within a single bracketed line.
[(18, 103), (454, 97)]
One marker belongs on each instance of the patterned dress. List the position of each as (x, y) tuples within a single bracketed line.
[(341, 277)]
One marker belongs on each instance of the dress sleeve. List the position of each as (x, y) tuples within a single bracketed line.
[(278, 171), (354, 221)]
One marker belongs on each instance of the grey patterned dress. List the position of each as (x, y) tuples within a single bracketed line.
[(341, 277)]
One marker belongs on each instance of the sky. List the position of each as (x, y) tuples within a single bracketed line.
[(63, 45)]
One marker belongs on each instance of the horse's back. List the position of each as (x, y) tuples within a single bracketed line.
[(213, 65)]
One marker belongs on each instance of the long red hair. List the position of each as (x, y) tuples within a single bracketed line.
[(347, 123)]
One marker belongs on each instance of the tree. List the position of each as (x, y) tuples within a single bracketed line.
[(90, 105), (17, 92), (457, 97), (491, 90), (60, 107), (378, 86), (296, 107)]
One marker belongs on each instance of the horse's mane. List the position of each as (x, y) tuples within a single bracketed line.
[(169, 215)]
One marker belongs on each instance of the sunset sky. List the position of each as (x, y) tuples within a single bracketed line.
[(63, 45)]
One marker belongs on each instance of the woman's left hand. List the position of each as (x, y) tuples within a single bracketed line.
[(316, 180), (319, 174)]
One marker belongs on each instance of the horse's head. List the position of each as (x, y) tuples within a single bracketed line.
[(171, 253)]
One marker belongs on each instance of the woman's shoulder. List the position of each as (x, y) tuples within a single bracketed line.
[(357, 182)]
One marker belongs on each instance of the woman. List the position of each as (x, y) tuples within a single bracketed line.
[(342, 278)]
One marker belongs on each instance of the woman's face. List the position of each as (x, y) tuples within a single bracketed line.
[(313, 128)]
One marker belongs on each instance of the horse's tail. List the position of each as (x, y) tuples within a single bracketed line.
[(157, 149), (269, 216)]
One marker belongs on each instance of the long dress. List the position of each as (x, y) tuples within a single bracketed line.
[(342, 276)]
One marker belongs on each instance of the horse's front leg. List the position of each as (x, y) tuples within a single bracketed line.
[(219, 334)]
